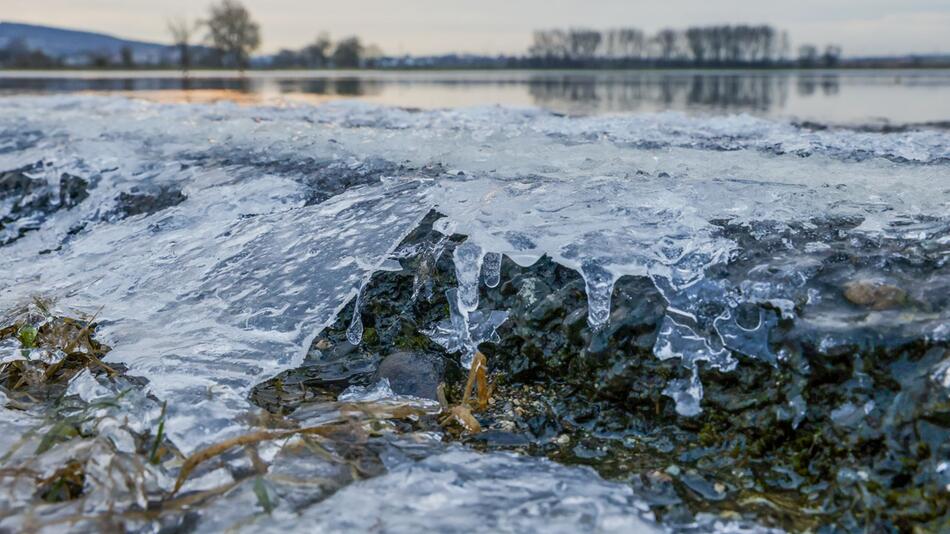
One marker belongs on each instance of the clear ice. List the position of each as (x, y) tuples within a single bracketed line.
[(288, 211)]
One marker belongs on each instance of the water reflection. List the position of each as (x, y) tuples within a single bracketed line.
[(828, 83), (715, 92), (838, 96), (242, 84)]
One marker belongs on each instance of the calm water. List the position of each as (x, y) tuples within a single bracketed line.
[(845, 97)]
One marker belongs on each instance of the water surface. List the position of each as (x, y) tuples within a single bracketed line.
[(827, 96)]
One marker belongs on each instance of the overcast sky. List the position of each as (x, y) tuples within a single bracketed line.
[(504, 26)]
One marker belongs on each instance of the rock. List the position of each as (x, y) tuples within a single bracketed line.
[(875, 295), (72, 190), (29, 202), (137, 203), (412, 373), (500, 438)]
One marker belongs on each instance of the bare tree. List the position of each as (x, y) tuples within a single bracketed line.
[(348, 53), (696, 38), (831, 56), (724, 45), (232, 31), (667, 40), (317, 53), (807, 55), (584, 43), (127, 56), (631, 42), (550, 44), (182, 33)]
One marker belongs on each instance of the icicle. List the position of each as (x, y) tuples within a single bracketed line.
[(687, 393), (491, 269), (468, 264), (675, 340), (354, 334), (600, 287)]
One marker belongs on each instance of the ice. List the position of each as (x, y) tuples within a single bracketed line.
[(676, 340), (468, 264), (451, 491), (491, 269), (464, 330), (599, 283), (283, 213), (354, 334), (608, 197)]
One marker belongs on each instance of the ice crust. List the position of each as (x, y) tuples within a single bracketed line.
[(458, 489), (213, 295), (289, 211)]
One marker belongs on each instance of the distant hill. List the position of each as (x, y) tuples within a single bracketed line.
[(74, 46)]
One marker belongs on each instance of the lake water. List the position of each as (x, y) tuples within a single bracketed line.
[(828, 96)]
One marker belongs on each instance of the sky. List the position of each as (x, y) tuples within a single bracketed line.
[(861, 27)]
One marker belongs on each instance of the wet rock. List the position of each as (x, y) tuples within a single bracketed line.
[(72, 190), (500, 438), (16, 183), (27, 201), (875, 295), (412, 373), (137, 202)]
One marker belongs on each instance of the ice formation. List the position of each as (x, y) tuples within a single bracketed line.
[(458, 489), (279, 215)]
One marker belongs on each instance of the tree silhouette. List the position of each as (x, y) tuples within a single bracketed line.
[(232, 31)]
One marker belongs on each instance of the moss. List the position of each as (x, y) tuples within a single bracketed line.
[(27, 336), (370, 337), (412, 342), (708, 435)]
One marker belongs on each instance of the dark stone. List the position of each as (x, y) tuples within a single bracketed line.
[(137, 203), (412, 373), (72, 190), (500, 438), (34, 200)]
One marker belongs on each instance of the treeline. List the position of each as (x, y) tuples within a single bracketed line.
[(347, 53), (17, 55), (712, 46), (225, 38), (232, 35)]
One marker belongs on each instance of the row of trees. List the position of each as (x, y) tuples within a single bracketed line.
[(18, 55), (345, 53), (233, 35), (698, 46)]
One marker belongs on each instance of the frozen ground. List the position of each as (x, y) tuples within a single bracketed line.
[(218, 240)]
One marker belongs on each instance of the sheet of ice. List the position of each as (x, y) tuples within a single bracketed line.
[(458, 490), (210, 296), (289, 210)]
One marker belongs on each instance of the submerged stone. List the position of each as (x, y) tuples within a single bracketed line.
[(417, 374)]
